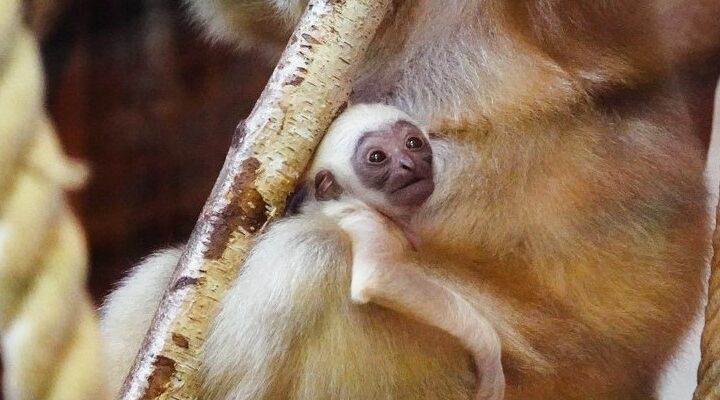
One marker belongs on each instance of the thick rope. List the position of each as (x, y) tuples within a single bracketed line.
[(49, 337), (709, 371)]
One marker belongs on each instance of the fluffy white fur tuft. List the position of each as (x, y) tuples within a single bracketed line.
[(127, 312)]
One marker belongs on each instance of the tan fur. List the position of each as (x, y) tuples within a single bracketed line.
[(572, 213)]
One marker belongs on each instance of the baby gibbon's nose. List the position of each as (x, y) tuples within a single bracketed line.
[(406, 162)]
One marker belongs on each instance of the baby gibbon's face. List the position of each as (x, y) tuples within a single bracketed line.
[(397, 161)]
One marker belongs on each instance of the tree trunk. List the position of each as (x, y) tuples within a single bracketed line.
[(269, 152)]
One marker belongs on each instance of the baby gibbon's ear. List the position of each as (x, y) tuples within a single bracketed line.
[(326, 187)]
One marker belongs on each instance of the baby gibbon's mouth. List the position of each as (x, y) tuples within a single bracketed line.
[(409, 183), (413, 192)]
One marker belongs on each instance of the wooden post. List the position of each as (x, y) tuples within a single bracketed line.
[(269, 152)]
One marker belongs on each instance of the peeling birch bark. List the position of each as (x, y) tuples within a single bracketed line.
[(269, 152)]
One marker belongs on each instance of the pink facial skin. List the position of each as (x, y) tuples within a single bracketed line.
[(397, 162)]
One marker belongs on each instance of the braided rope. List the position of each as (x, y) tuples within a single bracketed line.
[(709, 371), (48, 332)]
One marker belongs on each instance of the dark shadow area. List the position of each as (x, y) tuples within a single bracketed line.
[(136, 91)]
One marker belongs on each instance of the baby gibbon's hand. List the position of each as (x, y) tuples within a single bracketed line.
[(378, 246)]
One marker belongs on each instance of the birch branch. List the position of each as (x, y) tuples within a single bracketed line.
[(269, 152)]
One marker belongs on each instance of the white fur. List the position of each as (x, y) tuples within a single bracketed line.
[(338, 146), (127, 312), (218, 23), (270, 301), (274, 298)]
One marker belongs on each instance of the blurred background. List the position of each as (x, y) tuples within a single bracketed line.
[(137, 92)]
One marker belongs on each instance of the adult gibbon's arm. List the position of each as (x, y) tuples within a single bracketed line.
[(683, 30)]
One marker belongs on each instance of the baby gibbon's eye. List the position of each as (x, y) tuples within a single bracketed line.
[(414, 143), (377, 157)]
